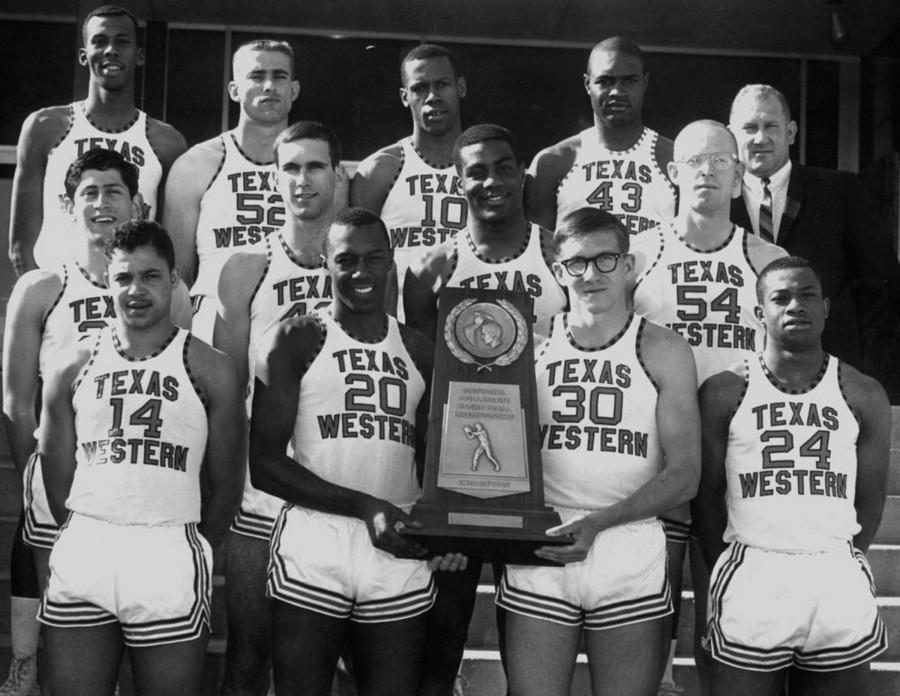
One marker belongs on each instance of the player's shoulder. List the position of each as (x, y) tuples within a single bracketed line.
[(196, 167), (37, 289), (761, 253), (43, 128), (664, 151), (166, 140), (419, 346), (665, 349), (726, 388), (557, 157), (863, 393), (436, 264), (210, 365), (382, 164)]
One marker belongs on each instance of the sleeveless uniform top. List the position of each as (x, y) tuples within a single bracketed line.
[(356, 413), (706, 296), (628, 183), (54, 244), (82, 308), (791, 464), (597, 414), (425, 206), (526, 272), (240, 207), (141, 435)]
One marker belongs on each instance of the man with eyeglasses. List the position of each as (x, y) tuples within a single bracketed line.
[(620, 444), (617, 164), (696, 273)]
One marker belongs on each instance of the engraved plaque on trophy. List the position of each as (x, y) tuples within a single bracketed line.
[(483, 487)]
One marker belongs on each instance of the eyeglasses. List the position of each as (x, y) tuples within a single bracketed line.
[(720, 161), (605, 263)]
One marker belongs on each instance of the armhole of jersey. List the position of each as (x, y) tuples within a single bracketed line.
[(840, 381), (82, 373), (539, 350), (221, 164), (746, 250), (651, 264), (147, 135), (62, 289), (638, 337), (262, 276), (318, 349), (548, 259), (406, 334), (454, 261), (198, 390), (69, 126), (571, 168), (740, 400), (399, 169)]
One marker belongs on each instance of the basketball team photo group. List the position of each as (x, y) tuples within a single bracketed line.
[(460, 409)]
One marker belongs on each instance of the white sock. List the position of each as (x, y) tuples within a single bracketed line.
[(24, 628), (667, 675)]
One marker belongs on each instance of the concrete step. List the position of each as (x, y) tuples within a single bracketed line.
[(889, 530)]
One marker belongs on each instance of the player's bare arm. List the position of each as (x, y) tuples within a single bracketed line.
[(423, 282), (760, 252), (57, 439), (238, 281), (665, 153), (374, 178), (169, 145), (31, 297), (181, 312), (223, 463), (719, 397), (872, 408), (187, 181), (41, 131), (671, 365), (275, 402), (547, 169)]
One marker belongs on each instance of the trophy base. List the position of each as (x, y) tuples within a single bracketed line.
[(494, 535)]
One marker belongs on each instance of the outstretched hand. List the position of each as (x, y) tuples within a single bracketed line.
[(583, 531), (383, 520)]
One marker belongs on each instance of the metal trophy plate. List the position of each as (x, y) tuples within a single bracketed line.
[(483, 487)]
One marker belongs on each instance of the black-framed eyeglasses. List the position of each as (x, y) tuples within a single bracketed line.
[(720, 161), (605, 263)]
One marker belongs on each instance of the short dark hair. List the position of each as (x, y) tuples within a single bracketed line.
[(310, 130), (585, 221), (783, 263), (760, 91), (358, 217), (617, 44), (110, 11), (101, 159), (425, 52), (480, 133), (130, 235), (272, 45)]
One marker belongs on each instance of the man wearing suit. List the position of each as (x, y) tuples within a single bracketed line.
[(822, 215)]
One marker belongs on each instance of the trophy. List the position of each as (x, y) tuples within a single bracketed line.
[(483, 487)]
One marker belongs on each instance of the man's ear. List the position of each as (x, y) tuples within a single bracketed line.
[(792, 132), (82, 57)]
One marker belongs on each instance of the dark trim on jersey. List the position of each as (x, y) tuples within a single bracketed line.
[(293, 257), (59, 296), (548, 257), (773, 380), (359, 339), (265, 272), (840, 383), (323, 333), (65, 133), (88, 278), (407, 335), (137, 116), (652, 264), (245, 155), (218, 169), (716, 249), (609, 344), (506, 259), (190, 373), (637, 351), (541, 349), (154, 150), (743, 393), (117, 346), (746, 250), (82, 373), (422, 157), (399, 171)]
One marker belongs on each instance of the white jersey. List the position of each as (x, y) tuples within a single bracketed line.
[(424, 207), (526, 272), (791, 464), (628, 183), (705, 296), (356, 414), (81, 308), (57, 238), (597, 414), (240, 207), (141, 435)]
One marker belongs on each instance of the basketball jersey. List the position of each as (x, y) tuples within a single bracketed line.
[(597, 415), (705, 296), (356, 414), (141, 435), (81, 308), (526, 272), (56, 240), (791, 464), (240, 207), (628, 183)]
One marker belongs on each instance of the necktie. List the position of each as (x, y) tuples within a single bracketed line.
[(766, 231)]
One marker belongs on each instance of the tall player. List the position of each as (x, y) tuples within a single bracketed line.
[(499, 249), (796, 446), (222, 194), (51, 139), (278, 278), (603, 364), (124, 445), (348, 388), (696, 275), (413, 184), (617, 165), (48, 312)]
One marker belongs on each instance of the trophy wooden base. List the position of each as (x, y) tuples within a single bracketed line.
[(501, 535)]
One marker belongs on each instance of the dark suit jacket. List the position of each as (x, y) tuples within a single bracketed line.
[(830, 221)]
